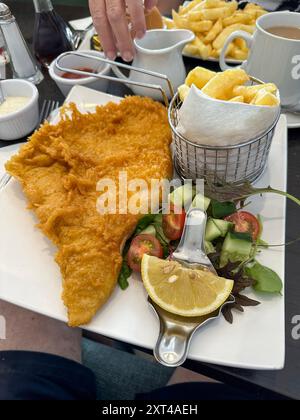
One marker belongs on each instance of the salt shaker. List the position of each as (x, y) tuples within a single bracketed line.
[(22, 62)]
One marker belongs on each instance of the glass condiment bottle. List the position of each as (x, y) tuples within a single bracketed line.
[(23, 64), (52, 35)]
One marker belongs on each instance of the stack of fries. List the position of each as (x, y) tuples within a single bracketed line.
[(213, 21), (229, 85)]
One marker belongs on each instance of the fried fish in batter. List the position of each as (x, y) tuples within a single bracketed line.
[(59, 169)]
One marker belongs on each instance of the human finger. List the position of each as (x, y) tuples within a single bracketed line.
[(137, 17), (103, 28), (116, 13)]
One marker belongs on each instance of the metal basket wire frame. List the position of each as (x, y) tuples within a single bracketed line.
[(236, 164), (129, 82)]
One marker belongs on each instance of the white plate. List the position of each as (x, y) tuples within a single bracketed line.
[(5, 154), (86, 42), (81, 24), (30, 278), (293, 120), (212, 59)]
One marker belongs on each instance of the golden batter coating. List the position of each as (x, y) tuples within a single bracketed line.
[(59, 169)]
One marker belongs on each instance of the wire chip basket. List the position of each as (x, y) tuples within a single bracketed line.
[(235, 164)]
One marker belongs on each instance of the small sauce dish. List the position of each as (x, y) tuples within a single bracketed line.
[(65, 84), (18, 117)]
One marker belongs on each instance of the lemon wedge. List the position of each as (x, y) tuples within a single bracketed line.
[(181, 290)]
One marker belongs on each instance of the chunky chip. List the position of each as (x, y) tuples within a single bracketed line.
[(230, 86)]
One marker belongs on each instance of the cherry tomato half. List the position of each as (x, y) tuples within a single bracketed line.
[(173, 223), (245, 222), (140, 245)]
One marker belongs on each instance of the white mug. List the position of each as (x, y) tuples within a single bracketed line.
[(272, 58)]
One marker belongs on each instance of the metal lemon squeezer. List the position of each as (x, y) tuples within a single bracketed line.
[(176, 331)]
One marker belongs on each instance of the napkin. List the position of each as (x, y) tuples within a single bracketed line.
[(207, 121), (212, 122)]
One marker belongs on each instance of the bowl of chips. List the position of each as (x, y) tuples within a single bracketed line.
[(213, 21)]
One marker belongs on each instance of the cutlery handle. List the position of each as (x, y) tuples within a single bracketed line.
[(173, 343), (176, 333), (191, 246)]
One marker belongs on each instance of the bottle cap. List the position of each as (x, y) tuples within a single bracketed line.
[(42, 6), (5, 13)]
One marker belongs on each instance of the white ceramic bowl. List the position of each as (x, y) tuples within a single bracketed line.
[(75, 62), (18, 124)]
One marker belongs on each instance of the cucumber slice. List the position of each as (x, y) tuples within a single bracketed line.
[(212, 231), (150, 230), (216, 228), (235, 249), (182, 196), (201, 202), (209, 248), (223, 226)]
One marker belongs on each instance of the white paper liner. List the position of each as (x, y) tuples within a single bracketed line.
[(206, 121)]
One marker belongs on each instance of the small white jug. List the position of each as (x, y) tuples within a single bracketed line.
[(159, 51)]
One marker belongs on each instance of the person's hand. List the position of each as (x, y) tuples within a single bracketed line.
[(110, 21)]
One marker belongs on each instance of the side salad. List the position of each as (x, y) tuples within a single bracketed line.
[(233, 239)]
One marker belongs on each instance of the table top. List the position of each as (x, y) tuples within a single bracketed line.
[(286, 382)]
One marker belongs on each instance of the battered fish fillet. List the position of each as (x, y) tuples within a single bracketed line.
[(59, 168)]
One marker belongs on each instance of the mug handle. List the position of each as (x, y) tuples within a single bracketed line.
[(237, 34)]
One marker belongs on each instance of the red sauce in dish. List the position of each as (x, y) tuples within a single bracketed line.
[(77, 76)]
